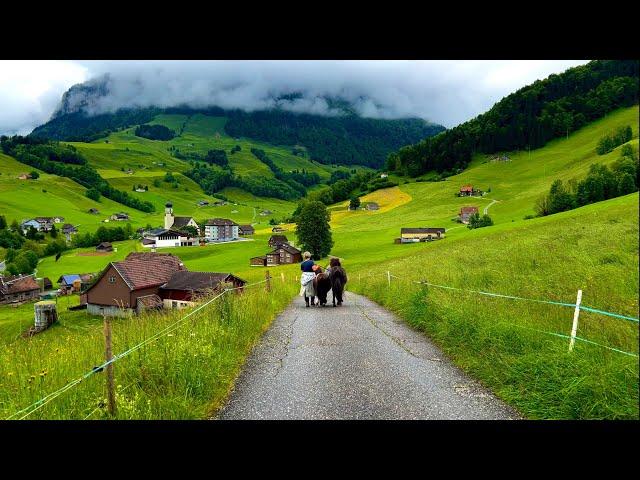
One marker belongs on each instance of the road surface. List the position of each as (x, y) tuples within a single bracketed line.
[(358, 361)]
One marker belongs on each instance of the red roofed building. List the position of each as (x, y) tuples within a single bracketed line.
[(466, 212), (466, 190), (121, 284)]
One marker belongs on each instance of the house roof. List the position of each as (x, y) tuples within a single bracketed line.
[(145, 269), (197, 281), (44, 219), (288, 248), (162, 231), (246, 227), (466, 188), (17, 284), (69, 279), (220, 222), (179, 222), (104, 245), (278, 238), (468, 210), (69, 227), (148, 241), (422, 230)]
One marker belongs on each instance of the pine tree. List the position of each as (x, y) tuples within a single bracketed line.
[(313, 229)]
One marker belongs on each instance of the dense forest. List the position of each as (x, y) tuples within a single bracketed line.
[(344, 139), (528, 118), (65, 161), (154, 132)]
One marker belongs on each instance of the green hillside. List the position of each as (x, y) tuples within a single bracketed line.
[(510, 345)]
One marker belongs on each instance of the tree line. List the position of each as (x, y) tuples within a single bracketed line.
[(65, 161), (154, 132), (528, 118), (601, 183), (607, 143)]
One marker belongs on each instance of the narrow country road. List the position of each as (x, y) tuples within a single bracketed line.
[(358, 361)]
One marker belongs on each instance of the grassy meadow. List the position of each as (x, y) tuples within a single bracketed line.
[(184, 374), (509, 345)]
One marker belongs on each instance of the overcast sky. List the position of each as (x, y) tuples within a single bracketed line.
[(446, 92)]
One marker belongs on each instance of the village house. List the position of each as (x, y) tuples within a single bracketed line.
[(25, 176), (466, 190), (372, 206), (203, 203), (246, 230), (104, 247), (176, 223), (74, 282), (30, 223), (94, 211), (184, 288), (276, 240), (132, 285), (384, 175), (69, 229), (162, 237), (119, 217), (18, 288), (220, 230), (411, 235), (466, 213), (219, 203), (47, 284), (260, 261), (264, 213), (284, 254)]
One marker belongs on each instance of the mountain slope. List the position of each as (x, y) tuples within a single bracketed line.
[(342, 138), (528, 118)]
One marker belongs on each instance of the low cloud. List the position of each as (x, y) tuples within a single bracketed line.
[(445, 92)]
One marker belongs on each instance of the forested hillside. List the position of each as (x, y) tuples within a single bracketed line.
[(343, 139), (528, 118)]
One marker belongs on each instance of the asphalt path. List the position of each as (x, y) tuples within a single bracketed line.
[(357, 361)]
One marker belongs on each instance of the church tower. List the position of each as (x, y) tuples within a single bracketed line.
[(168, 215)]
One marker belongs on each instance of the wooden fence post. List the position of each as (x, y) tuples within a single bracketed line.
[(111, 396), (576, 314), (389, 277), (282, 276), (268, 279)]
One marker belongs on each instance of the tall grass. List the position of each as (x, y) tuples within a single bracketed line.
[(185, 374), (501, 341)]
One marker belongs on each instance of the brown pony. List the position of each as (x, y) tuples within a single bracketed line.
[(338, 279), (322, 285)]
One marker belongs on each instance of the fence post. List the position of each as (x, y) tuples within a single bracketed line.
[(111, 397), (282, 276), (576, 314), (359, 281), (268, 279), (389, 277)]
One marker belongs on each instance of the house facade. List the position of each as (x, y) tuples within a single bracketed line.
[(246, 230), (277, 240), (411, 235), (221, 230), (466, 190), (121, 284), (161, 237), (184, 288), (466, 213), (260, 261), (119, 217), (18, 288)]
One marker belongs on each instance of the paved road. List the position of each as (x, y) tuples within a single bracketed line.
[(357, 361)]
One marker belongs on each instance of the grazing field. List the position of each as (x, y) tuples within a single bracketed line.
[(184, 374), (518, 348)]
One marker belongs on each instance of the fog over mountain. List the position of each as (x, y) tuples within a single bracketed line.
[(445, 92)]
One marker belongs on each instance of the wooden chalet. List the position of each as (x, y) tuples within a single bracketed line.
[(184, 287), (246, 230), (260, 261), (121, 284), (18, 288), (466, 213), (104, 247), (277, 240)]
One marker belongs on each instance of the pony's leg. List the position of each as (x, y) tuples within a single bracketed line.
[(333, 296), (313, 298), (306, 300)]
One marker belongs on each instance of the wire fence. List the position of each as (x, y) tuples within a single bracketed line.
[(577, 306), (25, 412)]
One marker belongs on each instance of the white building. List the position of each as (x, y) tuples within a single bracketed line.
[(162, 237), (171, 221), (221, 230)]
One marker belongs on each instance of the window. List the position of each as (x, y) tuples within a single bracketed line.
[(174, 304), (112, 279)]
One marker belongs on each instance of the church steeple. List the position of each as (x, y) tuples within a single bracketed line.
[(168, 215)]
